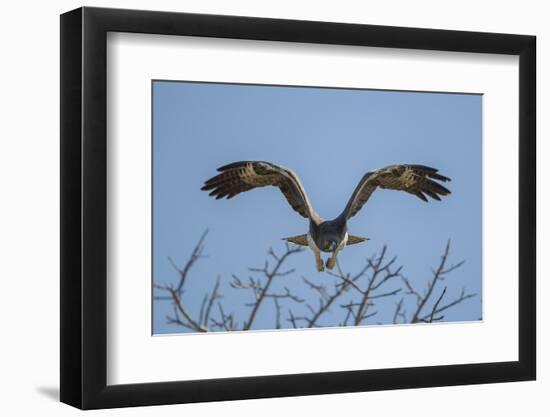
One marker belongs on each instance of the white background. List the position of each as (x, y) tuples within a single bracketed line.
[(29, 213)]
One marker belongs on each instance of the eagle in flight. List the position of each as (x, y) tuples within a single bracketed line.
[(329, 236)]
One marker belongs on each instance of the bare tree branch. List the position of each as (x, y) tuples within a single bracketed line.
[(292, 319), (226, 321), (432, 316), (181, 309), (176, 292), (277, 313), (214, 295), (460, 299), (437, 275), (399, 312), (380, 275), (269, 276), (377, 280), (325, 300), (195, 255)]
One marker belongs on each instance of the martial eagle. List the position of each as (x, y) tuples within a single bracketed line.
[(325, 235)]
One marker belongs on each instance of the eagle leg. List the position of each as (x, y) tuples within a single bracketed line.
[(319, 262), (331, 261)]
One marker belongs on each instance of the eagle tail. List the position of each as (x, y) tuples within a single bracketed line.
[(352, 240), (297, 240)]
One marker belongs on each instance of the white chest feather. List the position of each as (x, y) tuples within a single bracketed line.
[(344, 242), (311, 244)]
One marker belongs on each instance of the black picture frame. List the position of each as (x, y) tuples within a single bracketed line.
[(84, 207)]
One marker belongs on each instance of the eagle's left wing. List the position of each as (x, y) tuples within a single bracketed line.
[(242, 176), (414, 179)]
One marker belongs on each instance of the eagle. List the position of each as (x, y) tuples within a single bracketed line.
[(330, 236)]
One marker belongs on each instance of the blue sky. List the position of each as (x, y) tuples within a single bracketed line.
[(330, 138)]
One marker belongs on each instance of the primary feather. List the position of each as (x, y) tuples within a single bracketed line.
[(242, 176), (418, 180)]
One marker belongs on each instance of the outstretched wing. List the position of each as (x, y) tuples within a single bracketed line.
[(418, 180), (242, 176)]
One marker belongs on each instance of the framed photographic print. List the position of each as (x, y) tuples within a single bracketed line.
[(258, 207)]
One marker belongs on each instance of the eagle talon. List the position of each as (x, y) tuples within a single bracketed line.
[(320, 266), (331, 262)]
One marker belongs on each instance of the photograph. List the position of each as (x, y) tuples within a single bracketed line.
[(274, 208), (283, 207)]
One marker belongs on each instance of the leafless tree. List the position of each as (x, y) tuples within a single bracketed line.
[(422, 312), (353, 297)]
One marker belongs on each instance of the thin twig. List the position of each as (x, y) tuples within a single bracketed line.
[(269, 275)]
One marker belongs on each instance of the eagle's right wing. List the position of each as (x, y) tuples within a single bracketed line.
[(242, 176), (418, 180)]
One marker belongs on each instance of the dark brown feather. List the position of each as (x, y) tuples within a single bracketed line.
[(418, 180), (297, 240), (353, 240), (239, 177)]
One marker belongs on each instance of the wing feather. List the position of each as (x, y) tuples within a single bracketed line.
[(239, 177), (418, 180), (297, 240)]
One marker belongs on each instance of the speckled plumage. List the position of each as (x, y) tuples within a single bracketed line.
[(325, 235)]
